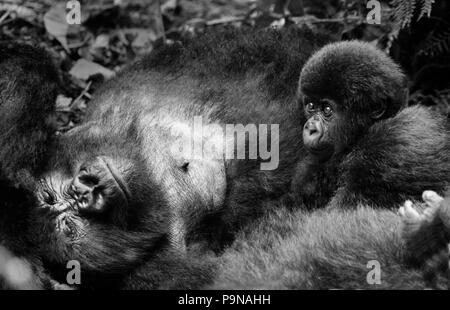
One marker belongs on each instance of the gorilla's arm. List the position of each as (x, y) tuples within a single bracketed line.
[(362, 248), (337, 249)]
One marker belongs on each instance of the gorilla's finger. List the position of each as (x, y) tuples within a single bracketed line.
[(432, 199)]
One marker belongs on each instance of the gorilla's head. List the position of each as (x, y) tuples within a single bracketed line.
[(99, 204)]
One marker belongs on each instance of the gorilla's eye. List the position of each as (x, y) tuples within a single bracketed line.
[(49, 197), (309, 106), (327, 110)]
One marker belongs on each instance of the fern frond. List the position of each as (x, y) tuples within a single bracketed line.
[(438, 44), (404, 11), (425, 9)]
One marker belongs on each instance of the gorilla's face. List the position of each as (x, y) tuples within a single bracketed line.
[(330, 128), (103, 211), (317, 135), (110, 198), (98, 185)]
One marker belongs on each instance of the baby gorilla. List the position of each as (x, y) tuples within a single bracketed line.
[(360, 148)]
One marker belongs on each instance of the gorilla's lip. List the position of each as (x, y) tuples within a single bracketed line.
[(117, 177)]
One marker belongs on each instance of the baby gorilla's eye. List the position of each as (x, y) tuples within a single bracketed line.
[(49, 197), (309, 106), (327, 110)]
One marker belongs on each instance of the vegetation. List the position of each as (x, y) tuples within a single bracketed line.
[(113, 33)]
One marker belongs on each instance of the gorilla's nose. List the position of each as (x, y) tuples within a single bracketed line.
[(89, 195), (313, 129), (85, 182), (312, 134), (98, 185)]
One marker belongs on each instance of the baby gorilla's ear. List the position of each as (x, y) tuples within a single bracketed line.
[(99, 188)]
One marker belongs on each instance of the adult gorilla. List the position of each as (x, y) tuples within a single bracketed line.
[(120, 196)]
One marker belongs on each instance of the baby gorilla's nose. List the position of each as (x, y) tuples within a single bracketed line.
[(312, 132)]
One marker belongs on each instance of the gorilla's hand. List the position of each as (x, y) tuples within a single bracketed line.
[(427, 236)]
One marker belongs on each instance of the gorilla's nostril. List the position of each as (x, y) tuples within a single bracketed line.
[(83, 185), (313, 131)]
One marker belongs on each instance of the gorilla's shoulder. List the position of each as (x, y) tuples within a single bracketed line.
[(230, 52), (26, 60), (403, 154)]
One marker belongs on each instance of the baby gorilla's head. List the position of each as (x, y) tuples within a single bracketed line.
[(345, 88)]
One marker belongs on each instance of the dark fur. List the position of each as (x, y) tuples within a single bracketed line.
[(380, 165), (322, 250), (226, 78), (397, 160), (330, 249), (204, 202), (28, 87)]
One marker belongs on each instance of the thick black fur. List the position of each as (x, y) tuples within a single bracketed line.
[(326, 249), (331, 249), (228, 78), (171, 206), (381, 165), (28, 87), (398, 159)]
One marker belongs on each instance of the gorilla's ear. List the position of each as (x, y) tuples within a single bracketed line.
[(379, 111)]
